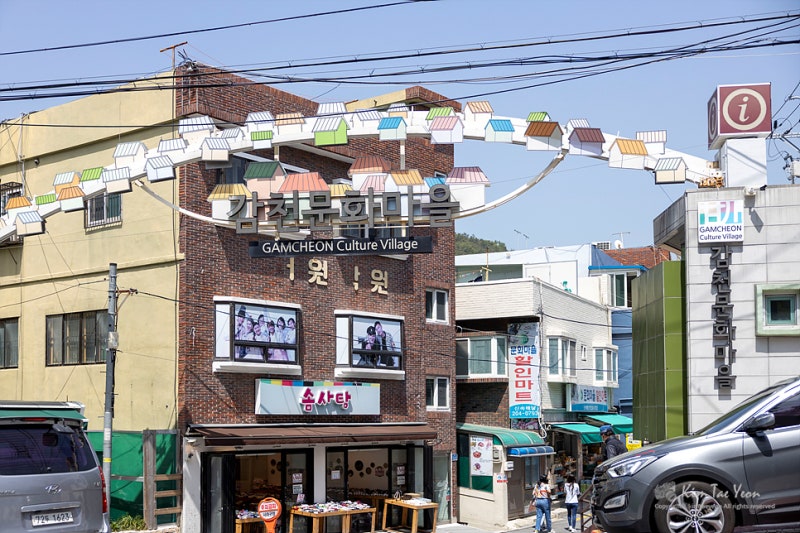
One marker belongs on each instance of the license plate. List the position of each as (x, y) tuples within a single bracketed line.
[(46, 519)]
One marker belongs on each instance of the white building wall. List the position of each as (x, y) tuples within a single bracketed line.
[(770, 253)]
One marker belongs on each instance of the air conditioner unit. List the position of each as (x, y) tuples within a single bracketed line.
[(497, 454)]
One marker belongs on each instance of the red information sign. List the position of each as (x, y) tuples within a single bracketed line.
[(269, 509)]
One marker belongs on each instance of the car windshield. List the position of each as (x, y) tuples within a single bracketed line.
[(41, 449), (734, 413)]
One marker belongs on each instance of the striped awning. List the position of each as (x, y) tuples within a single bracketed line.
[(530, 451)]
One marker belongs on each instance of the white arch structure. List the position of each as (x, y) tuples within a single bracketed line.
[(200, 140)]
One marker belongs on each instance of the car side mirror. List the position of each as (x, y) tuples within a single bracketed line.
[(760, 422)]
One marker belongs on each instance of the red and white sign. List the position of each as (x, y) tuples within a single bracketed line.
[(269, 509), (736, 111)]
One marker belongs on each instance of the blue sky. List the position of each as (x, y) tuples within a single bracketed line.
[(582, 201)]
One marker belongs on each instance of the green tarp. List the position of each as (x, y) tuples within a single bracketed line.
[(620, 423)]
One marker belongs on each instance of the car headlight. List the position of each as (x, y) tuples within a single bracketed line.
[(630, 466)]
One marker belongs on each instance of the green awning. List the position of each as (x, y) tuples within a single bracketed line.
[(510, 438), (620, 423), (41, 413), (589, 434)]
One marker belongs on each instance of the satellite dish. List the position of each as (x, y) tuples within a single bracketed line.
[(618, 245)]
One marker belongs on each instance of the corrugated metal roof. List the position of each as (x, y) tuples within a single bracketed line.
[(287, 119), (578, 123), (67, 193), (589, 135), (631, 147), (390, 123), (439, 112), (129, 149), (368, 165), (323, 124), (498, 124), (168, 145), (377, 182), (466, 175), (64, 178), (368, 114), (444, 123), (434, 180), (538, 116), (224, 191), (339, 190), (260, 117), (304, 182), (161, 161), (15, 202), (331, 108), (407, 177), (114, 174), (658, 136), (542, 129), (261, 169), (44, 199), (29, 217), (480, 106), (187, 125), (216, 143), (668, 163), (91, 174)]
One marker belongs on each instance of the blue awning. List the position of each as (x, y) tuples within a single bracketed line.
[(530, 451)]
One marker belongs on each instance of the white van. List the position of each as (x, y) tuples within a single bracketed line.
[(50, 478)]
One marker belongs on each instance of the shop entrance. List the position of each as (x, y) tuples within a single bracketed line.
[(521, 480)]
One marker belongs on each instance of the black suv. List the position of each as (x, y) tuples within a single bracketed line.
[(741, 470)]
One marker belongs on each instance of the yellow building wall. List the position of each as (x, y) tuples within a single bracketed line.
[(66, 269)]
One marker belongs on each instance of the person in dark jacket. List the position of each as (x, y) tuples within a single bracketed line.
[(612, 446)]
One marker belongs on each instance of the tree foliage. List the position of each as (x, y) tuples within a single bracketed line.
[(470, 244)]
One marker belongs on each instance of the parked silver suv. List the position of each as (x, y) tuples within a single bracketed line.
[(50, 478), (741, 470)]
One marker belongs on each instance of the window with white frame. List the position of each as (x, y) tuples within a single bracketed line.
[(76, 338), (104, 209), (437, 393), (436, 306), (482, 356), (562, 356), (9, 343), (777, 309), (605, 365)]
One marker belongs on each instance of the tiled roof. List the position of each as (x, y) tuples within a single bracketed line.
[(407, 177), (537, 116), (631, 147), (444, 123), (224, 191), (68, 193), (129, 149), (542, 129), (466, 175), (439, 112), (369, 164), (304, 182), (287, 119), (589, 135), (390, 123), (501, 125), (327, 124), (376, 181), (261, 169), (647, 256), (481, 106), (659, 136)]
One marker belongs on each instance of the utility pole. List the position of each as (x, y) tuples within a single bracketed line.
[(111, 355)]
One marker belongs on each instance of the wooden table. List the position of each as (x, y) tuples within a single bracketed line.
[(318, 519), (245, 525), (415, 508)]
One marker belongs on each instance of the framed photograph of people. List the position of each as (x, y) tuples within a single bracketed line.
[(252, 332), (376, 342)]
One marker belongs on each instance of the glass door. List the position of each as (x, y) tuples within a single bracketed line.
[(297, 487), (218, 501)]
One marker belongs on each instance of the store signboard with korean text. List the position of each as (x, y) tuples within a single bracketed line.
[(286, 397), (586, 399), (720, 221), (523, 349)]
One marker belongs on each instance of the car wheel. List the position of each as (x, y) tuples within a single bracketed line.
[(693, 506)]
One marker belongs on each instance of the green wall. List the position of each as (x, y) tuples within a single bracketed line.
[(659, 353)]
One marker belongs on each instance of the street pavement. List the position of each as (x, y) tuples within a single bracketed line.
[(522, 525)]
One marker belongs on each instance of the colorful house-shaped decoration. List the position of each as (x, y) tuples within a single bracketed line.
[(543, 136), (71, 198), (398, 110), (436, 112), (367, 118), (264, 178), (576, 123), (330, 131), (236, 138), (29, 223), (305, 184), (172, 146), (405, 181), (215, 149), (467, 186), (670, 170), (130, 154), (194, 129), (392, 129), (66, 179), (328, 109), (16, 205), (260, 126), (499, 131), (586, 141), (538, 116), (116, 180), (446, 129), (363, 167), (478, 112), (627, 153), (654, 141), (222, 205), (288, 123), (159, 168)]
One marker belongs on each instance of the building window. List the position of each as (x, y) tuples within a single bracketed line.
[(233, 171), (256, 331), (376, 342), (77, 338), (9, 343), (482, 357), (776, 309), (437, 393), (605, 365), (436, 306), (103, 210), (562, 357)]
